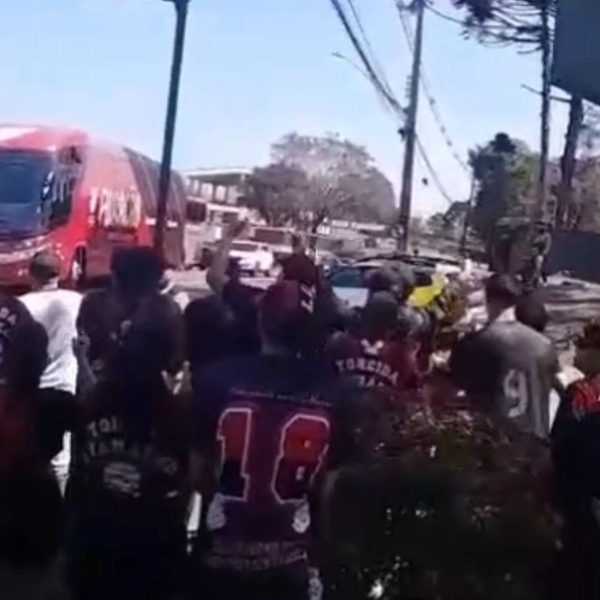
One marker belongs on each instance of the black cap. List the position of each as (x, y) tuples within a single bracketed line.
[(503, 287), (137, 269)]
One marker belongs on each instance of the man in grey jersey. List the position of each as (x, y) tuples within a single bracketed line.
[(507, 364)]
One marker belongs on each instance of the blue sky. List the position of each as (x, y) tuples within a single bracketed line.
[(254, 70)]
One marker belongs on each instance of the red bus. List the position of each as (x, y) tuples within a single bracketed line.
[(63, 190)]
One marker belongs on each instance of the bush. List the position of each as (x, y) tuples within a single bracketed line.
[(454, 507)]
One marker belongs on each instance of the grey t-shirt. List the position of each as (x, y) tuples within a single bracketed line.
[(514, 366)]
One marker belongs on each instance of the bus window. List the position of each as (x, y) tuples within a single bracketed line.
[(70, 160), (23, 176)]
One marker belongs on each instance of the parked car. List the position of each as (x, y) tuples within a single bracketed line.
[(430, 262), (253, 257), (349, 282)]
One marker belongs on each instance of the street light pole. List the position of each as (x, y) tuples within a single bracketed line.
[(164, 182)]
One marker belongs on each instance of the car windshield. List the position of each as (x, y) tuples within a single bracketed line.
[(23, 175), (348, 277), (243, 247)]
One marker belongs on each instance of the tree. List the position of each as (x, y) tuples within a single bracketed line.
[(276, 192), (341, 180), (451, 223), (568, 161), (584, 209), (506, 22), (577, 192), (526, 24), (452, 505), (505, 170)]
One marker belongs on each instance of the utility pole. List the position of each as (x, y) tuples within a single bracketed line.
[(164, 181), (410, 130)]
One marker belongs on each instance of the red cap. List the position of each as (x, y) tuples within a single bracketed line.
[(300, 268)]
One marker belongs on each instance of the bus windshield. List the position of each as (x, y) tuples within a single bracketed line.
[(23, 176)]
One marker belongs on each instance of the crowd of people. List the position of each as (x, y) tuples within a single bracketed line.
[(118, 406)]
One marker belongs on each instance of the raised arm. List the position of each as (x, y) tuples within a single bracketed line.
[(217, 277)]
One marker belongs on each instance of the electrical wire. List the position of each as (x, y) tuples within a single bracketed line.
[(442, 15), (433, 104), (377, 66), (434, 174), (380, 86)]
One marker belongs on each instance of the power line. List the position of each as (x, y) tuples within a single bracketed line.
[(442, 15), (365, 37), (434, 174), (433, 105), (380, 87), (383, 88)]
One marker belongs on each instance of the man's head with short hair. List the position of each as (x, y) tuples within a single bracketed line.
[(44, 268), (148, 341), (399, 279), (380, 315), (501, 292), (136, 270), (587, 349), (380, 280), (286, 316), (406, 281), (531, 311)]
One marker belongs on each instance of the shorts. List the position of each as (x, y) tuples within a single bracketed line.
[(61, 463), (293, 583), (56, 413)]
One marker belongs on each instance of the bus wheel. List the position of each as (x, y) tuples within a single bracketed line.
[(77, 275)]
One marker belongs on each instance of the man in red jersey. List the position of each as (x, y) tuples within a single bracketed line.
[(266, 426), (381, 354), (576, 461)]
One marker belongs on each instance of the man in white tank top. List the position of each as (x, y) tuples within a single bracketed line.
[(56, 310)]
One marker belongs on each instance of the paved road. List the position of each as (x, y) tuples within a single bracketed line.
[(194, 281)]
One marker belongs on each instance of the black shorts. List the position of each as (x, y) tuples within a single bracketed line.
[(56, 413), (283, 584)]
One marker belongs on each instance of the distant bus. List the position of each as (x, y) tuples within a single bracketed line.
[(62, 190)]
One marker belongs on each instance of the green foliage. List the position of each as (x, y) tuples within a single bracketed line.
[(505, 172), (455, 507), (505, 22), (340, 181), (276, 191)]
